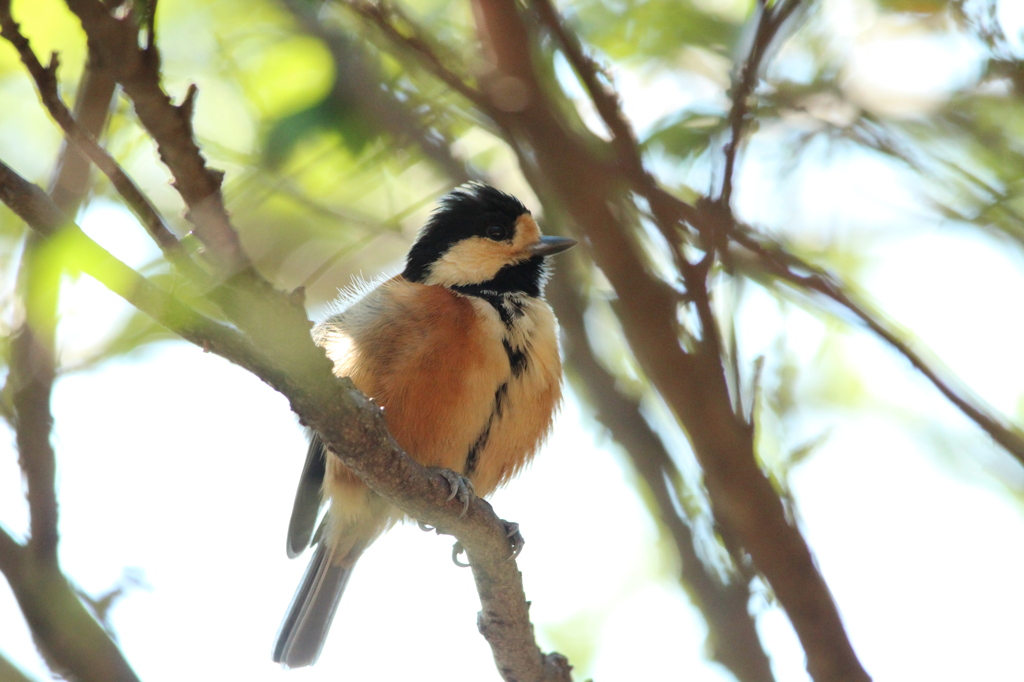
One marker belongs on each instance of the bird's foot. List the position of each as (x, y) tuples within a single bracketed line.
[(515, 541), (515, 538), (461, 488), (458, 549)]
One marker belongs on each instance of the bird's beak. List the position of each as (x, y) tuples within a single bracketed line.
[(549, 246)]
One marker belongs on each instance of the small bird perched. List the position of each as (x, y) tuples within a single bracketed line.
[(461, 351)]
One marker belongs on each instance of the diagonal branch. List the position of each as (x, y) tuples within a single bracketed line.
[(411, 40), (32, 205), (789, 268), (46, 82), (115, 43), (53, 610), (605, 99), (12, 673), (732, 638), (363, 83), (92, 107), (670, 211), (694, 385)]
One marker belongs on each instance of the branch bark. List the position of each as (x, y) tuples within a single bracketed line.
[(31, 383), (12, 673), (50, 606), (771, 19), (787, 267), (360, 80), (85, 141), (74, 645), (114, 45)]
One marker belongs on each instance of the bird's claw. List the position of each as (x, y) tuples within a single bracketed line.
[(458, 549), (515, 538), (461, 488), (515, 541), (424, 527)]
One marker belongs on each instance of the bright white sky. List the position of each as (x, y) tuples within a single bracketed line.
[(920, 548)]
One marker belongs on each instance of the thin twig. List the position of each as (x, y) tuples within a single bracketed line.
[(772, 18), (46, 82), (381, 16), (788, 267), (606, 100), (93, 98), (361, 80), (670, 212), (137, 69)]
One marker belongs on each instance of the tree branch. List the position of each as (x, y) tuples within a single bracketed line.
[(771, 19), (53, 610), (694, 386), (49, 605), (34, 207), (114, 43), (46, 82), (31, 383), (92, 106), (412, 41), (11, 672), (605, 99), (732, 638), (363, 83), (789, 268)]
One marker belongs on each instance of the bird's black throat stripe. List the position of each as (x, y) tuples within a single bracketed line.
[(496, 412), (517, 358), (510, 309)]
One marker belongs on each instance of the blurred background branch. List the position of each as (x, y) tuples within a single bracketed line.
[(46, 598)]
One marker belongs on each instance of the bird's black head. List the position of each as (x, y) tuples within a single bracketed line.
[(482, 239)]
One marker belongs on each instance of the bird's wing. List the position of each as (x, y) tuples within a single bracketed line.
[(307, 504)]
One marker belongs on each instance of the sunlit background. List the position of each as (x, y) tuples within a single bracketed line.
[(177, 470)]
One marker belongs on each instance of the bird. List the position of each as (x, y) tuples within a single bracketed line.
[(461, 351)]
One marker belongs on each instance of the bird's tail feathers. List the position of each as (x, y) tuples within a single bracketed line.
[(305, 626)]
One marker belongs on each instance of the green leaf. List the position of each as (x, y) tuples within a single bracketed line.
[(334, 113), (687, 135)]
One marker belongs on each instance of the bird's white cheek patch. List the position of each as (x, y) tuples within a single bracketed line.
[(471, 261)]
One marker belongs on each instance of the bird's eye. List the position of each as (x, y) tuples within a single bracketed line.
[(497, 233)]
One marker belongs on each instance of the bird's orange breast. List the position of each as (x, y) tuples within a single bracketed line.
[(437, 363)]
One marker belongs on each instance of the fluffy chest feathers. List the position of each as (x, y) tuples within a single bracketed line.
[(467, 382)]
